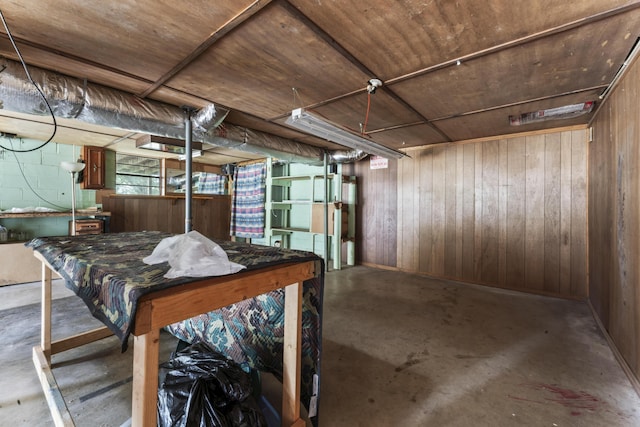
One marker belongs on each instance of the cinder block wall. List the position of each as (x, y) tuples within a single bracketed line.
[(40, 170)]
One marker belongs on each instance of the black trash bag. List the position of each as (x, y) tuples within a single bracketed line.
[(200, 387)]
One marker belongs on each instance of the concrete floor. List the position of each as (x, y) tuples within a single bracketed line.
[(399, 350)]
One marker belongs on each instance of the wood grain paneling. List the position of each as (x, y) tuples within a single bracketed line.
[(378, 221), (211, 215), (516, 211), (468, 213), (508, 212), (614, 217)]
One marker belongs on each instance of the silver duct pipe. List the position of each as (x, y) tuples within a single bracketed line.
[(74, 98), (340, 156)]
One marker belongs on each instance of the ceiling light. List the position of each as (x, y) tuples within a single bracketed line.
[(373, 84), (316, 126), (564, 112)]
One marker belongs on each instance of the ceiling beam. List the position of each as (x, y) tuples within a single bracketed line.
[(486, 110), (322, 34), (466, 58)]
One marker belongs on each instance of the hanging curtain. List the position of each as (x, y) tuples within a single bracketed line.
[(247, 203), (211, 183)]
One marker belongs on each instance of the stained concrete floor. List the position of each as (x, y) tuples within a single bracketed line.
[(398, 350)]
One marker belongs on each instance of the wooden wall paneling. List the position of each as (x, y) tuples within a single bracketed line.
[(201, 221), (425, 230), (401, 218), (534, 215), (438, 211), (116, 207), (132, 219), (376, 207), (211, 216), (415, 199), (633, 129), (451, 231), (618, 312), (390, 239), (163, 214), (566, 187), (601, 218), (459, 208), (624, 316), (370, 211), (477, 214), (632, 294), (516, 212), (365, 210), (633, 134), (489, 220), (552, 187), (614, 217), (503, 180), (503, 212), (177, 215), (468, 208), (152, 214), (579, 284), (406, 249), (405, 204)]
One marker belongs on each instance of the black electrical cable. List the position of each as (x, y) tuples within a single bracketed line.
[(44, 98)]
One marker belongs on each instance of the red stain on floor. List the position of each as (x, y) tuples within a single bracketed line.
[(574, 400), (571, 399)]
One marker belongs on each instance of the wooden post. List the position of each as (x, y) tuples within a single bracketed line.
[(145, 379), (45, 314), (291, 355)]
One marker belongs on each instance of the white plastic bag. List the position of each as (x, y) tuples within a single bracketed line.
[(192, 255)]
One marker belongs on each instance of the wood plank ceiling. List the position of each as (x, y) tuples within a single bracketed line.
[(452, 70)]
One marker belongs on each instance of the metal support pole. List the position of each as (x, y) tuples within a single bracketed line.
[(326, 211), (188, 226)]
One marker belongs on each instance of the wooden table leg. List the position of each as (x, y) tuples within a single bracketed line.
[(292, 355), (45, 314), (145, 379)]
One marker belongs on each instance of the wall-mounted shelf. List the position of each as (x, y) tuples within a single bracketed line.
[(79, 212), (15, 220)]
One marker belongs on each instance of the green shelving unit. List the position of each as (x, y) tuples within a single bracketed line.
[(300, 199)]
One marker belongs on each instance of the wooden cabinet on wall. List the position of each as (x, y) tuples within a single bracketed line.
[(94, 171)]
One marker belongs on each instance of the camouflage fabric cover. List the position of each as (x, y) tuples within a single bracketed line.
[(108, 273)]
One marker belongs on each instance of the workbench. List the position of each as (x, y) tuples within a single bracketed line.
[(154, 302)]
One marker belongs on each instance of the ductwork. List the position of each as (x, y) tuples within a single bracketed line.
[(74, 98)]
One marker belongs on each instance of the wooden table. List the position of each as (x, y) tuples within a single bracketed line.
[(168, 306)]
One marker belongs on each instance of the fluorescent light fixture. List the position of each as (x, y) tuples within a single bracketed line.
[(316, 126), (164, 144), (194, 154), (564, 112)]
